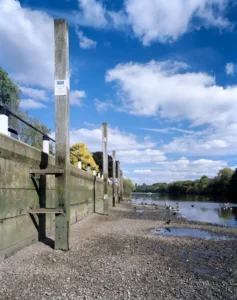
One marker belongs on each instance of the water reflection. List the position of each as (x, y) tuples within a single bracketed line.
[(206, 209), (190, 232)]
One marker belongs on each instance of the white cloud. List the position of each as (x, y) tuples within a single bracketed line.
[(103, 105), (230, 69), (76, 97), (92, 13), (200, 166), (84, 42), (169, 90), (117, 140), (142, 171), (164, 21), (168, 130), (27, 47), (141, 156), (31, 104), (182, 169), (37, 94), (220, 140)]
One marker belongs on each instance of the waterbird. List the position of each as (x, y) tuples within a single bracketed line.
[(193, 205), (174, 214), (168, 222)]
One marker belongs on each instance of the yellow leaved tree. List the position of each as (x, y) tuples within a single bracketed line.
[(80, 151)]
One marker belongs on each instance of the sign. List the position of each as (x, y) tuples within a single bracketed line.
[(60, 88)]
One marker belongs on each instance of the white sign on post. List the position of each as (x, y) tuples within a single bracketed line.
[(60, 88)]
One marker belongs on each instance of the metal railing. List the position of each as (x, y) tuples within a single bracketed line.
[(4, 116)]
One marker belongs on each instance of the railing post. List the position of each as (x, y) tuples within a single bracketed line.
[(114, 167), (62, 156), (79, 163), (46, 144), (94, 172), (89, 168), (4, 115), (105, 167), (99, 174)]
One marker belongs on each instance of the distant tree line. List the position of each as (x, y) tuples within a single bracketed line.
[(225, 183)]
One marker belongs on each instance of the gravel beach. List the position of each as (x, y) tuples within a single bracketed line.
[(118, 257)]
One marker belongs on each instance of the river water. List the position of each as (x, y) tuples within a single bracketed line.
[(206, 209)]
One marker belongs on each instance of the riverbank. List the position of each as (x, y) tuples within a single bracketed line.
[(117, 257)]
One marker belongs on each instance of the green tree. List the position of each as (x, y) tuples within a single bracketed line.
[(128, 187), (98, 157), (10, 96), (80, 151), (222, 181), (233, 185)]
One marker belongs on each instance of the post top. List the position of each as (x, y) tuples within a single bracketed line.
[(46, 138)]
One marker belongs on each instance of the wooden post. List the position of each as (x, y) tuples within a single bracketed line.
[(121, 179), (62, 157), (114, 168), (105, 167), (119, 182)]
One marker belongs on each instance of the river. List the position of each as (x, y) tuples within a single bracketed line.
[(206, 209)]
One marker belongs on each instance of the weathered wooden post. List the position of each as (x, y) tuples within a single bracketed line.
[(119, 181), (121, 190), (105, 167), (62, 157), (114, 168)]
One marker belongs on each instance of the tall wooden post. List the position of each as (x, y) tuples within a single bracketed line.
[(114, 167), (121, 190), (62, 158), (119, 182), (105, 167)]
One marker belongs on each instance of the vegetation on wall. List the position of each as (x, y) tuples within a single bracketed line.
[(80, 151)]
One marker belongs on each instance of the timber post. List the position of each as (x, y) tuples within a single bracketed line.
[(105, 166), (114, 168), (62, 156), (119, 181)]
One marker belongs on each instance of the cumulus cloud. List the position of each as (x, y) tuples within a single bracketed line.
[(37, 94), (213, 141), (169, 89), (85, 42), (166, 21), (27, 47), (76, 97), (117, 140), (230, 69), (92, 13), (159, 20), (181, 169), (103, 105), (31, 104), (141, 156)]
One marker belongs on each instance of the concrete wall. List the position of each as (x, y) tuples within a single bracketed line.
[(19, 192)]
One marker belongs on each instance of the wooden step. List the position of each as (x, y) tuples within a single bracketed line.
[(46, 211), (46, 171)]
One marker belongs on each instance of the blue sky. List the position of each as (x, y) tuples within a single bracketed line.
[(161, 73)]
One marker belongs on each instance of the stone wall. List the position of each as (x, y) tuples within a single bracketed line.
[(19, 192)]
